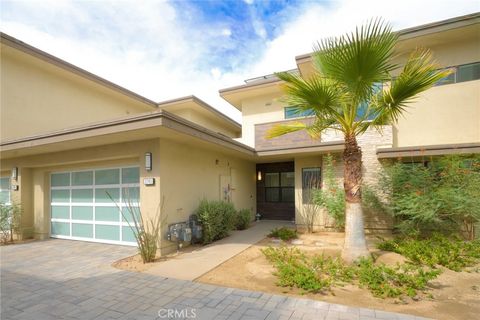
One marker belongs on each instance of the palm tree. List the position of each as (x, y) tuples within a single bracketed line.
[(351, 90)]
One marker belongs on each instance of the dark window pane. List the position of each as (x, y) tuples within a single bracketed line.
[(287, 179), (272, 194), (272, 179), (468, 72), (311, 179), (288, 194)]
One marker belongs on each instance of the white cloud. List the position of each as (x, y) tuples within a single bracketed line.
[(162, 57), (226, 32)]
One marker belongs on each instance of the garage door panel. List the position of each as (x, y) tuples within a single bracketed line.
[(60, 180), (82, 230), (109, 176), (127, 234), (81, 207), (60, 212), (82, 178), (102, 195), (82, 195), (61, 228), (82, 213), (130, 175), (61, 196), (107, 232), (107, 214), (129, 213)]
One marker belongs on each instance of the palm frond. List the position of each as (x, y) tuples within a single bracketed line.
[(317, 94), (281, 129), (358, 60), (419, 74)]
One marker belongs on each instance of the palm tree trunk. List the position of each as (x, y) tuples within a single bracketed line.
[(355, 245)]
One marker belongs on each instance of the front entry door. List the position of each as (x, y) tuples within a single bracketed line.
[(276, 190)]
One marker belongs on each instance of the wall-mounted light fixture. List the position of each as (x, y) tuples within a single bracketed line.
[(259, 175), (15, 173), (148, 161)]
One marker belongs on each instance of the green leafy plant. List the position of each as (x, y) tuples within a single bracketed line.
[(452, 253), (385, 281), (217, 219), (318, 273), (283, 233), (331, 197), (243, 219), (441, 196), (147, 231), (10, 221)]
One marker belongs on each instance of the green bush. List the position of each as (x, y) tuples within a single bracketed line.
[(217, 219), (454, 254), (147, 231), (332, 196), (319, 273), (443, 196), (243, 219), (10, 220), (283, 233)]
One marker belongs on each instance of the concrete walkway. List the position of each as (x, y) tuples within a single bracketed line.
[(191, 265), (74, 280)]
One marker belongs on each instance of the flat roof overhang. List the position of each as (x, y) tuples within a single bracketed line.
[(431, 150), (134, 128)]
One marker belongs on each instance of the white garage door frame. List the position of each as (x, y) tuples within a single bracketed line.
[(70, 196)]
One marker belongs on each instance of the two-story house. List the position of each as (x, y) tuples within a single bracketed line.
[(68, 137), (443, 120)]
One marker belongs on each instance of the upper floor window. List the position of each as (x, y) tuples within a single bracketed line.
[(293, 112), (462, 73)]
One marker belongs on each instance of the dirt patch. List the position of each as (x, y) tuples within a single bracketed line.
[(134, 263), (456, 295)]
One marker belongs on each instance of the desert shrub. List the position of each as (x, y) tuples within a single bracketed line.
[(332, 196), (147, 231), (319, 273), (452, 253), (283, 233), (384, 281), (243, 219), (443, 196), (217, 219), (10, 219)]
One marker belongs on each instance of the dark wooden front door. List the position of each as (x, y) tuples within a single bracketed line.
[(276, 190)]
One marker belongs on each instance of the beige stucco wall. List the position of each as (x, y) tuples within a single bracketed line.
[(261, 109), (34, 178), (189, 174), (38, 97), (207, 122), (442, 115)]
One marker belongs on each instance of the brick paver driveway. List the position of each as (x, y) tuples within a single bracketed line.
[(61, 279)]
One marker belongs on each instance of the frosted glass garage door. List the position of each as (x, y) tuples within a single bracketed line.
[(86, 204)]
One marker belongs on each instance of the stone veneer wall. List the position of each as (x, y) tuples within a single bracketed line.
[(291, 140), (369, 142)]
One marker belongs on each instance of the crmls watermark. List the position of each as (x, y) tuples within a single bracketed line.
[(187, 313)]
